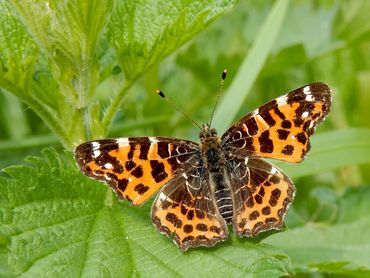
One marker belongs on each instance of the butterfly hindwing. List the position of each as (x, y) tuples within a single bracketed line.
[(186, 209), (281, 128), (261, 194), (136, 167)]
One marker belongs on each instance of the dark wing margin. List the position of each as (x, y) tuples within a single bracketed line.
[(281, 128), (136, 167)]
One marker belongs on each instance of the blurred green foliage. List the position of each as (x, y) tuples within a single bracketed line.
[(89, 69)]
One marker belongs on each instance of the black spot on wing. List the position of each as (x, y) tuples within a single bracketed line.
[(252, 126), (266, 144), (163, 149), (283, 134), (137, 172), (158, 171), (286, 124), (288, 150), (129, 165), (279, 113), (141, 188), (144, 148), (268, 118)]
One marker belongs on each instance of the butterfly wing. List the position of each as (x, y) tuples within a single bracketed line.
[(281, 128), (186, 209), (136, 167), (261, 195)]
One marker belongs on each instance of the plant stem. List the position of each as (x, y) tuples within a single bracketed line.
[(114, 106)]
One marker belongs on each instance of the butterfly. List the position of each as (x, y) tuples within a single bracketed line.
[(223, 180)]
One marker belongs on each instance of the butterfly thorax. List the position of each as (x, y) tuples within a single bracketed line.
[(212, 152), (214, 160)]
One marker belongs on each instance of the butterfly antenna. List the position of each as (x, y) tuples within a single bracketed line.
[(224, 73), (173, 105)]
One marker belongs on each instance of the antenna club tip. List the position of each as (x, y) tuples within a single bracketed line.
[(224, 74), (160, 93)]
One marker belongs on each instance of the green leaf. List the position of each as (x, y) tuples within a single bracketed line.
[(68, 33), (352, 21), (18, 51), (11, 110), (56, 222), (251, 66), (342, 248), (331, 150), (63, 50), (144, 32), (354, 204)]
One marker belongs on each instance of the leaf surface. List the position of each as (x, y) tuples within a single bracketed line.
[(56, 222)]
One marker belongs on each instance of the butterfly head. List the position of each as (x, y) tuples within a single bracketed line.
[(208, 133)]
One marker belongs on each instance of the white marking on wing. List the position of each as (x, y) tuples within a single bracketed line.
[(310, 98), (273, 170), (246, 160), (281, 100), (96, 153), (254, 112), (95, 145), (162, 196), (122, 142), (307, 90), (153, 139)]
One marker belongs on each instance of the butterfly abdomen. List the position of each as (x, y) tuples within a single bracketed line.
[(214, 159), (222, 196)]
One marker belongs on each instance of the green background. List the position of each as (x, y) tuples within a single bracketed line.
[(73, 70)]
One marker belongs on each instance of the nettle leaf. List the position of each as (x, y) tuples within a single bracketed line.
[(68, 52), (342, 248), (18, 50), (67, 32), (143, 32), (56, 222)]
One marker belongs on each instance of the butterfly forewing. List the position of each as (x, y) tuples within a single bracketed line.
[(186, 209), (136, 167), (261, 195), (281, 128)]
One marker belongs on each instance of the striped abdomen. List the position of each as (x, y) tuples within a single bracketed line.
[(223, 196)]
